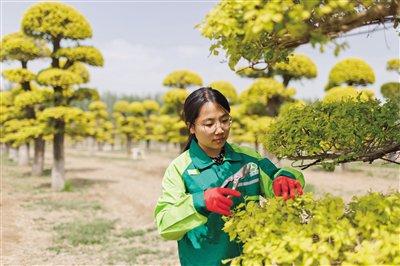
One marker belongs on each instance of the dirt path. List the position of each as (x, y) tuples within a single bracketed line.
[(111, 187)]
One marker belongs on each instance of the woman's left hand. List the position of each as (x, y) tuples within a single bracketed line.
[(286, 187)]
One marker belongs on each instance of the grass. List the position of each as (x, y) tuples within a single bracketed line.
[(130, 255), (68, 187), (80, 205), (80, 232), (130, 233)]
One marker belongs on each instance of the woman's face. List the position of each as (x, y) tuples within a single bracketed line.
[(211, 127)]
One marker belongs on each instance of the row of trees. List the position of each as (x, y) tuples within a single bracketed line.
[(41, 104)]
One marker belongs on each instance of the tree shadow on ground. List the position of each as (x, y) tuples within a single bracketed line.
[(79, 183)]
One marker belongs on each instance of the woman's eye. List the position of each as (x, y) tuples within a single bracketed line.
[(208, 125)]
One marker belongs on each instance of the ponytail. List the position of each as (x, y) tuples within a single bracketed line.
[(187, 145)]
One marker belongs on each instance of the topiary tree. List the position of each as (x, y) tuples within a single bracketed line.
[(56, 23), (129, 120), (17, 47), (265, 96), (336, 132), (295, 67), (348, 93), (182, 79), (151, 108), (266, 32), (393, 65), (101, 127), (227, 89), (352, 72), (391, 90)]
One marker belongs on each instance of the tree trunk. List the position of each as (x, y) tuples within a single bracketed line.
[(13, 155), (92, 144), (23, 155), (286, 80), (100, 146), (38, 159), (58, 169), (147, 144), (128, 145)]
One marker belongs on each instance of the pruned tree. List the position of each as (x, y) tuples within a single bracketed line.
[(56, 23), (263, 33), (182, 79), (227, 89), (336, 132), (351, 72), (17, 47), (265, 96)]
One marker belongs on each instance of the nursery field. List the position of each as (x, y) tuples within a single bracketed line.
[(105, 213)]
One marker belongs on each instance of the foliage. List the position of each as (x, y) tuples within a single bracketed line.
[(337, 94), (227, 89), (173, 101), (19, 47), (264, 96), (391, 90), (58, 77), (55, 21), (85, 54), (336, 132), (268, 31), (101, 127), (306, 231), (182, 79), (297, 66), (19, 75), (351, 71), (393, 65)]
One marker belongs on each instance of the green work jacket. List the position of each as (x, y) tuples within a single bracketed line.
[(181, 212)]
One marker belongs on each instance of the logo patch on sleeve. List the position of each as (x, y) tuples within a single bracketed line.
[(193, 171)]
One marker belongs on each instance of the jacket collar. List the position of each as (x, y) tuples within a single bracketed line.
[(201, 160)]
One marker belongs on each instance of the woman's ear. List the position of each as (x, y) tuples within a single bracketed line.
[(191, 128)]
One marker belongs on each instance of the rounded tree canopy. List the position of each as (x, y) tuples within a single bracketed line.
[(121, 106), (19, 75), (85, 54), (391, 90), (262, 93), (351, 71), (17, 46), (348, 93), (262, 89), (151, 106), (297, 66), (136, 108), (182, 79), (227, 89), (173, 100), (80, 70), (393, 65), (58, 77), (55, 21), (97, 106)]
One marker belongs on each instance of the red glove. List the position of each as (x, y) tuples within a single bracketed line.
[(216, 200), (283, 185)]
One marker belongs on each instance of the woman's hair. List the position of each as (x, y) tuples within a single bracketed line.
[(195, 101)]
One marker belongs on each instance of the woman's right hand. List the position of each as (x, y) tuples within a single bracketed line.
[(217, 201)]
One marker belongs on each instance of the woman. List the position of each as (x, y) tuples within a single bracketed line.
[(196, 188)]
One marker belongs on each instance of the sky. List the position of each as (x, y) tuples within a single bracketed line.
[(143, 41)]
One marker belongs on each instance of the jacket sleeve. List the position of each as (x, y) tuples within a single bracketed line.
[(268, 172), (175, 212)]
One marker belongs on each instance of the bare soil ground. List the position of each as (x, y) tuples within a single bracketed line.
[(107, 217)]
